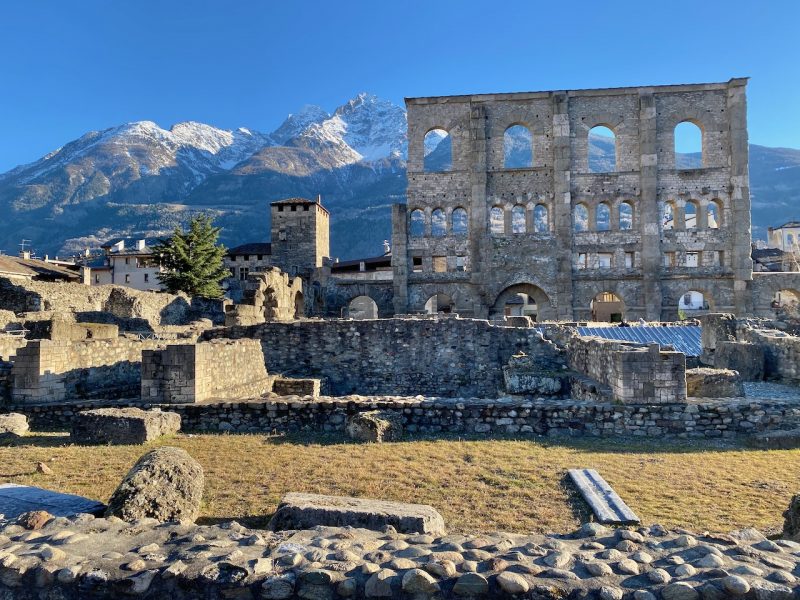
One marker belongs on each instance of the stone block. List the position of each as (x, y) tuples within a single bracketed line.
[(375, 426), (284, 386), (304, 511), (122, 426), (745, 358), (12, 426), (788, 439), (713, 383)]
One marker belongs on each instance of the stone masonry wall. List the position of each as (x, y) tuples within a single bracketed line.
[(711, 419), (446, 357), (781, 351), (214, 370), (55, 371), (10, 345)]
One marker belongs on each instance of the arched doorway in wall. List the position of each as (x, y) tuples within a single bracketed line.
[(362, 307), (693, 303), (524, 299), (439, 303), (607, 307), (299, 306)]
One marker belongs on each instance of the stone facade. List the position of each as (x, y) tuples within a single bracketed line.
[(443, 357), (270, 295), (214, 370), (533, 247)]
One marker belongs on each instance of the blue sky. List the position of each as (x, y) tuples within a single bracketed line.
[(67, 67)]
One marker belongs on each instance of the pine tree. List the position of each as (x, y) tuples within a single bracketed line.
[(192, 260)]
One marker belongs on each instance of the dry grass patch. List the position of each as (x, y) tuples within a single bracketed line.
[(510, 485)]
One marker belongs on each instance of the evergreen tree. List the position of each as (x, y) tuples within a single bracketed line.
[(193, 260)]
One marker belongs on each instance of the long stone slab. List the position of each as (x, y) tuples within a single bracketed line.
[(304, 511), (606, 504), (17, 499)]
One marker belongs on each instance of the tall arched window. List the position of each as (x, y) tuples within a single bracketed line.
[(714, 214), (540, 219), (518, 224), (602, 217), (688, 146), (438, 223), (690, 215), (580, 218), (668, 218), (460, 222), (625, 216), (602, 150), (437, 151), (497, 220), (518, 147), (417, 223)]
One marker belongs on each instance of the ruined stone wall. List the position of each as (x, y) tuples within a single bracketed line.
[(57, 371), (447, 356), (132, 310), (214, 370), (269, 295), (781, 352), (567, 268), (10, 345), (636, 374), (711, 419)]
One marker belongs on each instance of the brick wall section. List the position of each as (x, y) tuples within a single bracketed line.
[(446, 357), (712, 419), (213, 370), (55, 371)]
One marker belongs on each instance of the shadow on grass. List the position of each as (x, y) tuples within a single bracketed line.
[(54, 440), (579, 508)]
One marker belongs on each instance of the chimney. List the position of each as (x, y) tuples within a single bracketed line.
[(25, 255), (319, 199), (119, 246), (141, 244)]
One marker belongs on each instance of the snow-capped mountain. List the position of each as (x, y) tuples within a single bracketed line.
[(140, 179)]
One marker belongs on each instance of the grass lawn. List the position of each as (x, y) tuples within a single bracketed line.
[(477, 485)]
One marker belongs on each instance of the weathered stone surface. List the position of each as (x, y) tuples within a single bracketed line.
[(375, 426), (299, 511), (713, 383), (532, 375), (791, 519), (122, 426), (745, 358), (776, 440), (165, 484), (12, 426)]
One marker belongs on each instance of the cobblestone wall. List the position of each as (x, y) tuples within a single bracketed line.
[(447, 357)]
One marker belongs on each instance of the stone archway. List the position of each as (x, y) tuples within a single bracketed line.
[(539, 306), (607, 307), (439, 303), (362, 307), (299, 306)]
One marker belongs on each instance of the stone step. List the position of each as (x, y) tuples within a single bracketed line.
[(304, 511), (606, 504)]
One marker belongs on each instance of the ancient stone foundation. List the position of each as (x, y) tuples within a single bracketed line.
[(122, 426)]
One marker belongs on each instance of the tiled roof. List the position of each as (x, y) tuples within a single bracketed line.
[(35, 268), (9, 266), (375, 261), (251, 248)]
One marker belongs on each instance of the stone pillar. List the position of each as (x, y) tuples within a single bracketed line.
[(478, 250), (400, 257), (562, 204), (651, 261), (742, 262)]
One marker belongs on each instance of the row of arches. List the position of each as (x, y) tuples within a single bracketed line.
[(519, 219), (518, 148), (440, 223), (604, 216), (692, 215)]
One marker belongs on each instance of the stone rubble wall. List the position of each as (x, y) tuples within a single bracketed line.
[(270, 295), (58, 371), (214, 370), (284, 386), (781, 352), (10, 345), (445, 357), (707, 419)]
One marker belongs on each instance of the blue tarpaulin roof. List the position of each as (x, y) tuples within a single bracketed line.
[(683, 339)]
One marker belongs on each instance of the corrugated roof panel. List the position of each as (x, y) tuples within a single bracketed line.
[(684, 339)]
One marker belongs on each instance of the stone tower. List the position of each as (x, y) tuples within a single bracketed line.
[(300, 235)]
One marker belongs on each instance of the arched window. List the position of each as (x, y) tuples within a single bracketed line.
[(714, 214), (417, 225), (460, 223), (438, 223), (362, 307), (668, 218), (518, 147), (690, 215), (497, 220), (602, 217), (602, 150), (437, 151), (580, 218), (688, 146), (540, 219), (625, 216), (518, 219)]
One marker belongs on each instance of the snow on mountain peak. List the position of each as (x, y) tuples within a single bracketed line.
[(296, 123)]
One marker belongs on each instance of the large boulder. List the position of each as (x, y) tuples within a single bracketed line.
[(375, 426), (791, 519), (743, 357), (12, 426), (165, 484), (713, 383), (122, 425), (305, 511)]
